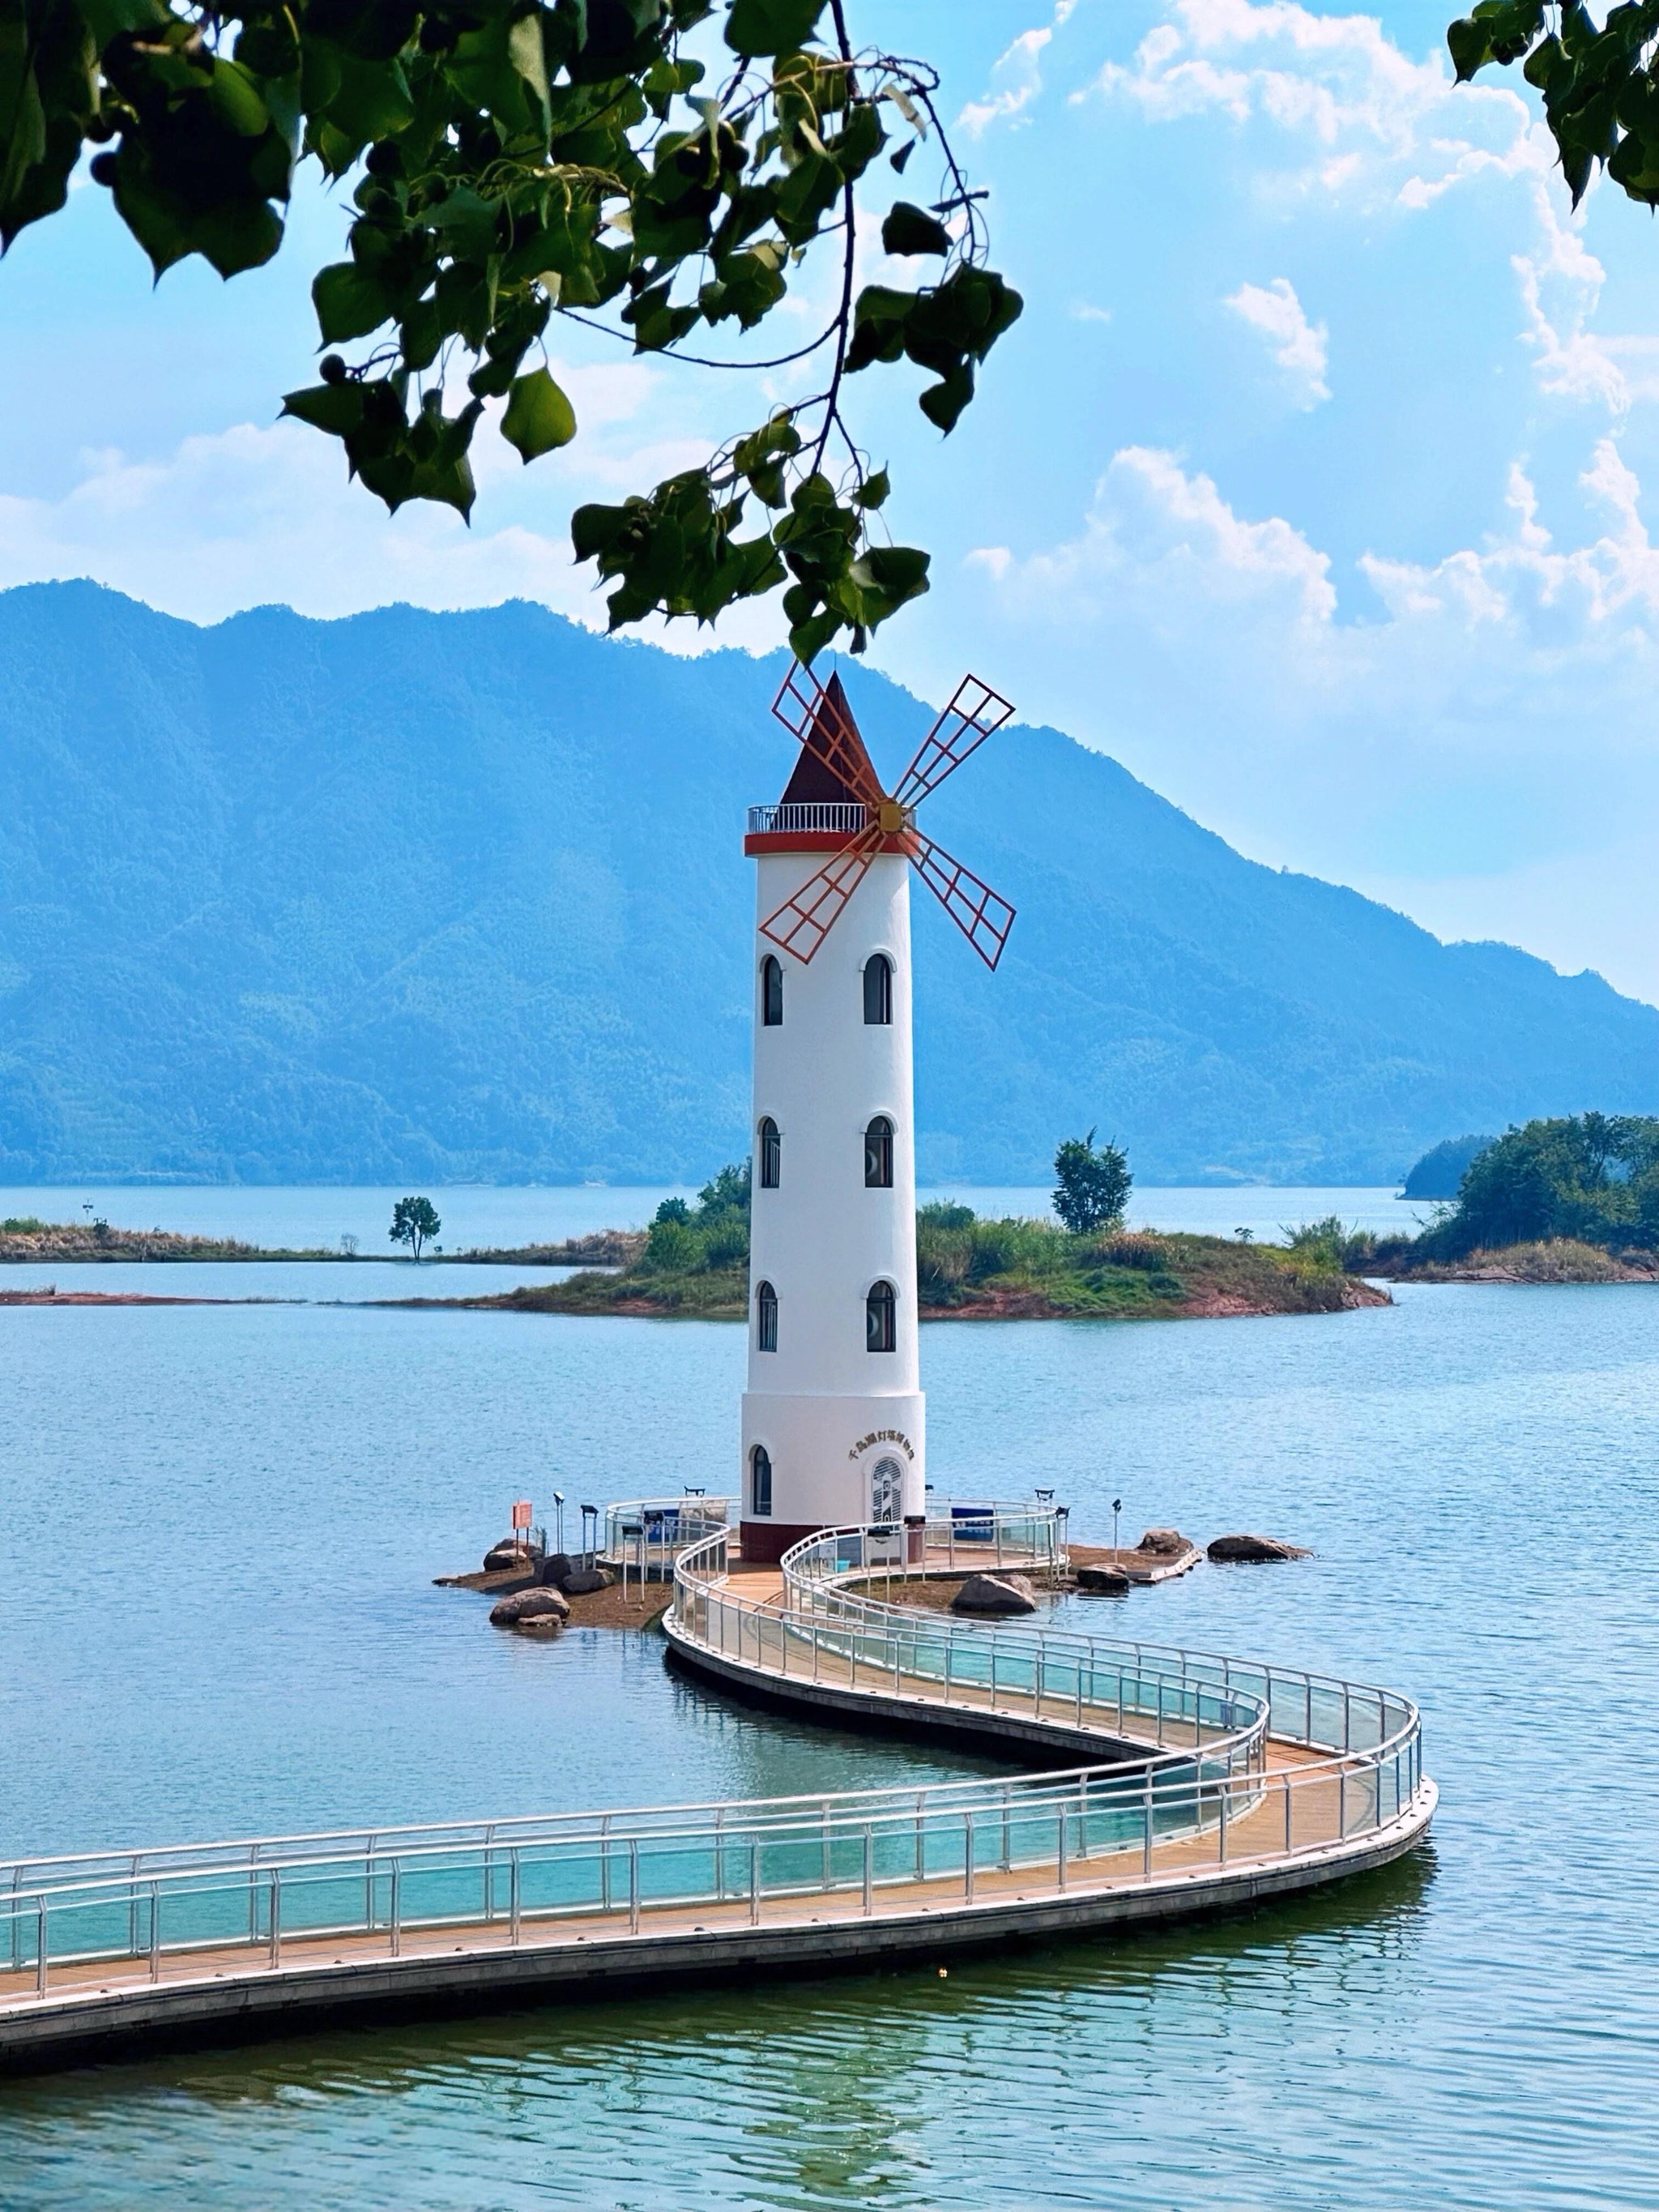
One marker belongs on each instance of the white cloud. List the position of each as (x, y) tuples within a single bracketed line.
[(1371, 121), (1493, 724), (1298, 346), (1017, 78), (1083, 311), (252, 515)]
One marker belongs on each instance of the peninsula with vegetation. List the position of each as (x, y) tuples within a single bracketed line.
[(693, 1262)]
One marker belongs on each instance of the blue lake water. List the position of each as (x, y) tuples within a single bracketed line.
[(217, 1530)]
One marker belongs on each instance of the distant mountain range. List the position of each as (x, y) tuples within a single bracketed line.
[(419, 897)]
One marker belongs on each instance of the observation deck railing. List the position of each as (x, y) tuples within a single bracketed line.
[(1246, 1766), (647, 1535), (806, 817)]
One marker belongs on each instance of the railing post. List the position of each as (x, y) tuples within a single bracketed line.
[(1160, 1712), (869, 1868), (1146, 1846), (967, 1856), (276, 1917), (1060, 1855), (155, 1931), (1287, 1812), (515, 1893), (1226, 1792), (1341, 1803), (42, 1948), (754, 1883), (1007, 1861), (397, 1909), (922, 1812), (632, 1885)]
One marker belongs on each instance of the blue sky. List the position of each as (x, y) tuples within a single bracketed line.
[(1311, 484)]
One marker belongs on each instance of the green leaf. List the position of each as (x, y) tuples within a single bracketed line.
[(539, 417), (771, 27), (873, 491), (943, 403), (336, 407), (910, 229), (349, 303)]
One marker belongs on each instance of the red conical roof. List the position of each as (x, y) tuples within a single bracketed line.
[(817, 781)]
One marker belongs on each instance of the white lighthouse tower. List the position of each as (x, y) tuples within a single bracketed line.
[(834, 1429)]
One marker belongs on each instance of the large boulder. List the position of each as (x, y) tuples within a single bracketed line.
[(1165, 1543), (583, 1581), (527, 1606), (509, 1552), (1104, 1581), (1255, 1548), (994, 1594), (555, 1567)]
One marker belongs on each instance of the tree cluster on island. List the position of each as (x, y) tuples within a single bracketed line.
[(695, 1262), (1561, 1199)]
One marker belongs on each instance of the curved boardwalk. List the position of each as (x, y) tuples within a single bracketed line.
[(1182, 1783)]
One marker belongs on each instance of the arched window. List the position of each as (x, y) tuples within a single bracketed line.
[(766, 1318), (877, 991), (760, 1482), (878, 1154), (771, 993), (881, 1319), (771, 1154)]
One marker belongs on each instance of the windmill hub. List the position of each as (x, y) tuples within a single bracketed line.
[(834, 1418)]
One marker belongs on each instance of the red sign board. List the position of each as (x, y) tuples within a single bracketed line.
[(522, 1513)]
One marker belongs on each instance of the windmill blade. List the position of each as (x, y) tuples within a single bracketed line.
[(983, 916), (819, 717), (976, 713), (801, 923)]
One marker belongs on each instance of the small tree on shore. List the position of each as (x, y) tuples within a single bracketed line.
[(1094, 1185), (414, 1223)]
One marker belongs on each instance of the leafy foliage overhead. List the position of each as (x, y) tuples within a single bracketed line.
[(521, 159), (1599, 85)]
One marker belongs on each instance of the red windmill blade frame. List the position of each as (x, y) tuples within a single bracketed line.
[(983, 916), (801, 923), (974, 707), (826, 729)]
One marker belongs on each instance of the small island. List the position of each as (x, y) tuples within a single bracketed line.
[(693, 1264)]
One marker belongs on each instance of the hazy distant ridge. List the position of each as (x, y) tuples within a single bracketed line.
[(419, 896)]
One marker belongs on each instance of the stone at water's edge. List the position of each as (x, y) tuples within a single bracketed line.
[(994, 1594), (1102, 1581), (1165, 1543), (1261, 1548), (508, 1554), (529, 1605), (583, 1581), (555, 1567)]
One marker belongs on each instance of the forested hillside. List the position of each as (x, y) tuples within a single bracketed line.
[(434, 896)]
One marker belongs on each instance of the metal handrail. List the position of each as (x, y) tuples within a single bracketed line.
[(1131, 1822), (805, 816)]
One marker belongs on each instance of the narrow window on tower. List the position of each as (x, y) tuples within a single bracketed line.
[(877, 991), (881, 1319), (760, 1482), (878, 1154), (766, 1318), (771, 993), (771, 1154)]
